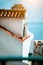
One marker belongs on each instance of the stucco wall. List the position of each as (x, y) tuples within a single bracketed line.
[(12, 24), (12, 46), (9, 45), (28, 45)]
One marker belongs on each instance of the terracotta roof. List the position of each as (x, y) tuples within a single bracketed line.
[(18, 6), (17, 12)]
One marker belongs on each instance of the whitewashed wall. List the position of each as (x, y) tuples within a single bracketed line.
[(12, 46), (9, 45), (13, 24), (28, 45)]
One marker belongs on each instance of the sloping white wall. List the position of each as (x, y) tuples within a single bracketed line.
[(12, 46), (9, 45), (13, 24)]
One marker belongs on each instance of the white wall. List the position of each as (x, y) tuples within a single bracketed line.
[(13, 24), (28, 45), (9, 45), (12, 46)]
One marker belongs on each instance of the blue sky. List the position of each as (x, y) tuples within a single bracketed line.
[(6, 4), (34, 7)]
